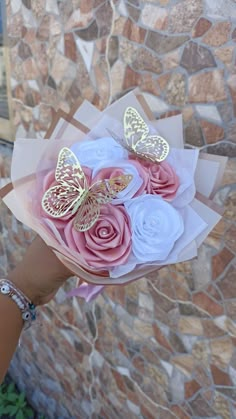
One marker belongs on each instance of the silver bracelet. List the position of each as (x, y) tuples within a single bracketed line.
[(27, 308)]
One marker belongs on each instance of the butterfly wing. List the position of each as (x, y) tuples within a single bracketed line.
[(59, 199), (135, 128), (150, 147), (69, 171), (87, 215), (69, 192), (106, 190), (153, 148), (101, 192)]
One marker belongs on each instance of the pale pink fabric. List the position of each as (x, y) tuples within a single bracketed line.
[(87, 291)]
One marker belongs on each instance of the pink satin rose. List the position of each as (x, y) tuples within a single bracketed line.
[(138, 184), (160, 179), (49, 181), (107, 243), (108, 173)]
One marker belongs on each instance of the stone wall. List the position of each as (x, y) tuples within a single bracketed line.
[(162, 347)]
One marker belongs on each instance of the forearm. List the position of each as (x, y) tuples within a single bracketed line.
[(11, 325), (11, 322), (38, 277)]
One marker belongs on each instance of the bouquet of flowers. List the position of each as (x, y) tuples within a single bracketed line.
[(115, 194)]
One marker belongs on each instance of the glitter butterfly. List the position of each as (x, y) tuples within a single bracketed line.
[(73, 194), (138, 140)]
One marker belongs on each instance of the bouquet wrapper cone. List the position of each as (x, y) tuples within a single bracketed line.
[(75, 126)]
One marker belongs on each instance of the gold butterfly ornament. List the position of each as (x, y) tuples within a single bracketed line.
[(73, 194), (138, 140)]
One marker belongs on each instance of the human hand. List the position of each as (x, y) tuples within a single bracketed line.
[(40, 273)]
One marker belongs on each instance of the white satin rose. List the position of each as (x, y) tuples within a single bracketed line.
[(92, 152), (156, 226)]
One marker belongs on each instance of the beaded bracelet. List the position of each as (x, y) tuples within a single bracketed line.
[(27, 308)]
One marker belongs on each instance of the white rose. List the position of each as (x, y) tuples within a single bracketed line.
[(156, 225), (93, 152)]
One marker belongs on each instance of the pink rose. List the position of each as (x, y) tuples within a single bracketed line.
[(108, 173), (107, 243), (160, 179), (138, 184), (48, 182)]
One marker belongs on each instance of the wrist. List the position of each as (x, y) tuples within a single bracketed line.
[(23, 283), (11, 291), (40, 274)]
